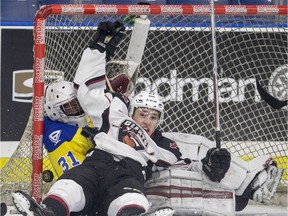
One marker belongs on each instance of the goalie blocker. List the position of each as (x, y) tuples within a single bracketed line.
[(190, 190)]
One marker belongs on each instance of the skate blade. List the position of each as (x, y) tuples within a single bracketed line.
[(22, 204)]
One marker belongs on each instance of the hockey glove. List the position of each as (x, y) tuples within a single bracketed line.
[(107, 38), (90, 133), (216, 163)]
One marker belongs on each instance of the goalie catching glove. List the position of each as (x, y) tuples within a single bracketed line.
[(216, 163), (107, 37)]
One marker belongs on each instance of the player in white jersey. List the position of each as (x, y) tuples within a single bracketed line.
[(256, 180), (106, 187), (110, 181), (251, 185)]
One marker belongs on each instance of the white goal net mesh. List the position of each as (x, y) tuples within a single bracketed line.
[(178, 64)]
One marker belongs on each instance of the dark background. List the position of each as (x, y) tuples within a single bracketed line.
[(17, 45), (16, 54)]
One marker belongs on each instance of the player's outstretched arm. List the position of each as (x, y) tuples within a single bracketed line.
[(92, 67)]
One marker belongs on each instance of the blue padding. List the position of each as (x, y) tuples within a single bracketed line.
[(18, 10), (198, 2), (17, 23), (253, 2), (134, 2)]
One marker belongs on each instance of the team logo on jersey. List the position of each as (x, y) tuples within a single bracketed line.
[(132, 135), (55, 136), (173, 145)]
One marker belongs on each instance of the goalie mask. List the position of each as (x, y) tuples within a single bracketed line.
[(147, 100), (62, 105)]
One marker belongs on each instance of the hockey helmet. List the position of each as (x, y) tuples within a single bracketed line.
[(61, 104), (147, 100)]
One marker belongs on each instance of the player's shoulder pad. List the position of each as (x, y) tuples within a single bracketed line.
[(56, 133)]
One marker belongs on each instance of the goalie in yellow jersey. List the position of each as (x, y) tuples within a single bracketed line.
[(63, 140)]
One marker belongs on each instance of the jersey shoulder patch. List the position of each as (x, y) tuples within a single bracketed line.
[(55, 136), (56, 133)]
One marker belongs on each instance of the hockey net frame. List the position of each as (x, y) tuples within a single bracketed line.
[(266, 21)]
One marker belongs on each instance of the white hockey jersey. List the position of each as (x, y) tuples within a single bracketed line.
[(109, 112)]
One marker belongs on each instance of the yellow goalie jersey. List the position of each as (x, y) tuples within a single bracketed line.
[(65, 144)]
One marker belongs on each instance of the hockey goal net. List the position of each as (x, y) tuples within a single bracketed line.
[(177, 64)]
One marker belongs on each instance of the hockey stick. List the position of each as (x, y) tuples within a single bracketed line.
[(136, 47), (138, 39), (269, 99), (135, 52), (215, 78)]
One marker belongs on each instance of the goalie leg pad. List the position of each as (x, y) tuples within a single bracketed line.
[(188, 193)]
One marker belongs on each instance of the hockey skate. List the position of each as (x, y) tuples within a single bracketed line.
[(27, 206), (266, 183), (162, 211)]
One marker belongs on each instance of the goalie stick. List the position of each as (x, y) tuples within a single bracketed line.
[(269, 99), (136, 47), (141, 26), (138, 39)]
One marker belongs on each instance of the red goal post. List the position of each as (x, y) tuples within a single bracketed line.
[(187, 95)]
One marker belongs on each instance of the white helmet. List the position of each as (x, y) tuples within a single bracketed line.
[(61, 104), (147, 100)]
